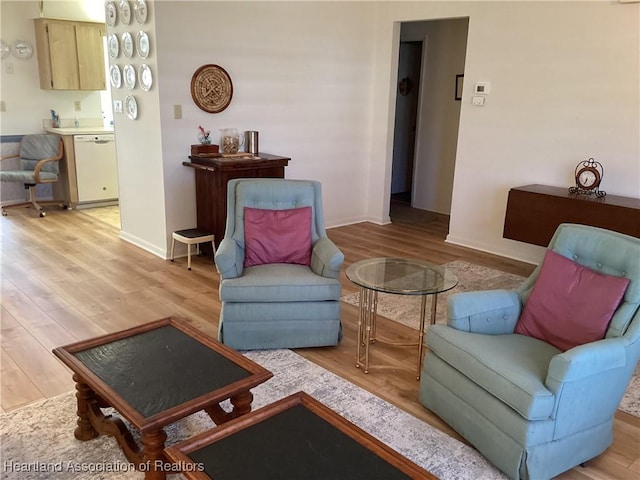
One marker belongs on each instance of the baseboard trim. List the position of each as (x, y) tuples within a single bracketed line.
[(138, 242), (532, 258)]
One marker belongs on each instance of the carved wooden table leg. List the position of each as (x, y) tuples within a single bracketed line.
[(241, 404), (84, 431), (154, 459), (217, 414)]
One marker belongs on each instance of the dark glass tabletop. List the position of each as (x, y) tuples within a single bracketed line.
[(159, 369), (401, 276), (293, 445)]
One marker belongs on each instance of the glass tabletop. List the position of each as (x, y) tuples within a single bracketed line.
[(402, 276)]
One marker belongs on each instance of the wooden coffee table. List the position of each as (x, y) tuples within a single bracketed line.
[(154, 375), (292, 439)]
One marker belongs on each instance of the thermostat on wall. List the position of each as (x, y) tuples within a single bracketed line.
[(482, 88)]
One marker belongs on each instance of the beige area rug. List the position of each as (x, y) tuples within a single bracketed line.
[(405, 309), (37, 442)]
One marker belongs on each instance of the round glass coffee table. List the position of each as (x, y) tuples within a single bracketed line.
[(400, 276)]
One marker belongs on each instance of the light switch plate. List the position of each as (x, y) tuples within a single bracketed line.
[(117, 106), (477, 100), (177, 112)]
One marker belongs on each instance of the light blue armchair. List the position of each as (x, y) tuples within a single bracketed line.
[(278, 305), (531, 409)]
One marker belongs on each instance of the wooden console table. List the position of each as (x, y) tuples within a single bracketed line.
[(535, 211), (212, 175)]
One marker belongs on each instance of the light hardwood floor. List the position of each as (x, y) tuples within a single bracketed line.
[(68, 277)]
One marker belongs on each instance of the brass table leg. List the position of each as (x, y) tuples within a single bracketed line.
[(432, 321), (366, 325)]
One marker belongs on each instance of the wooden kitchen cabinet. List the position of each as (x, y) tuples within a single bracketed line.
[(70, 54)]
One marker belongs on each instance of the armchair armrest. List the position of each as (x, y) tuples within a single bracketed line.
[(229, 259), (39, 165), (491, 312), (587, 360), (588, 382), (326, 258), (13, 155)]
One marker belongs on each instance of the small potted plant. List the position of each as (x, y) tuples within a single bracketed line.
[(204, 146)]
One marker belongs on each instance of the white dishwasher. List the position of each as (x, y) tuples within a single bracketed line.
[(96, 168)]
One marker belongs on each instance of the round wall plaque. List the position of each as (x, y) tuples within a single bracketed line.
[(211, 88)]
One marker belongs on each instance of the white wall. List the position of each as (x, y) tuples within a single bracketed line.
[(140, 150), (564, 79), (301, 76), (318, 80)]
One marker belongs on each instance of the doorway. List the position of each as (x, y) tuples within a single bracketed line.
[(430, 62), (409, 66)]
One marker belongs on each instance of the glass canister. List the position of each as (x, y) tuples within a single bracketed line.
[(230, 140)]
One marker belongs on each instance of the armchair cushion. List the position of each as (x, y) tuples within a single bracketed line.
[(279, 283), (570, 304), (518, 382), (277, 236)]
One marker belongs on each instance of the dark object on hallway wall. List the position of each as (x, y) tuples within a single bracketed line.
[(405, 86), (459, 83)]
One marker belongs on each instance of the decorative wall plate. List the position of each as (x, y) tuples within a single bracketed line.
[(127, 44), (114, 45), (21, 49), (144, 77), (110, 13), (211, 88), (142, 40), (131, 107), (140, 11), (115, 76), (125, 12), (4, 49), (129, 73)]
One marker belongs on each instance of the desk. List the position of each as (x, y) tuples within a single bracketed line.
[(212, 175), (535, 211)]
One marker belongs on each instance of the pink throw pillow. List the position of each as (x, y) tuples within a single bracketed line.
[(277, 236), (570, 304)]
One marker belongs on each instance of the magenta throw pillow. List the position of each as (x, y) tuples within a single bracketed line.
[(277, 236), (570, 304)]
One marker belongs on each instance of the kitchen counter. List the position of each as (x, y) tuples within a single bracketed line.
[(79, 130)]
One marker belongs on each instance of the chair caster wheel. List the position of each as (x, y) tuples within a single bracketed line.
[(4, 214), (42, 214)]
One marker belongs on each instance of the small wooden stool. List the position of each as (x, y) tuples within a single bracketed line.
[(191, 236)]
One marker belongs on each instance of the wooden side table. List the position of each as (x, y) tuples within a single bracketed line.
[(212, 173)]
